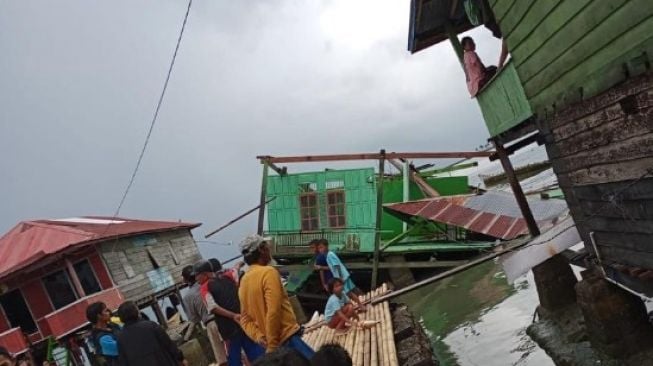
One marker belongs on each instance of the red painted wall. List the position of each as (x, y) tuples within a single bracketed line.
[(4, 323), (101, 272)]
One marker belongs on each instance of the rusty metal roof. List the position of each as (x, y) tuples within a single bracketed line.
[(494, 213), (30, 241)]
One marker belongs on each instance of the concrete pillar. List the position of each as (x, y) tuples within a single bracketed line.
[(616, 320), (555, 283)]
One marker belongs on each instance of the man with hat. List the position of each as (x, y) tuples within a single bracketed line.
[(266, 314), (197, 312), (221, 298)]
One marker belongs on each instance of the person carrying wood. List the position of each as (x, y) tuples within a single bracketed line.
[(266, 314)]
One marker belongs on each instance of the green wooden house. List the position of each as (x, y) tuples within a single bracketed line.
[(341, 206), (579, 80)]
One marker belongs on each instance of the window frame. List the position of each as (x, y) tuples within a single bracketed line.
[(337, 192), (70, 283), (97, 280), (311, 209)]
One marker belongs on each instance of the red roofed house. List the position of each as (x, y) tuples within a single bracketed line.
[(50, 270)]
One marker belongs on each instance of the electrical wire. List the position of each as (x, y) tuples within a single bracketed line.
[(154, 119)]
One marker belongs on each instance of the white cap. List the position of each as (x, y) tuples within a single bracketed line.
[(251, 243)]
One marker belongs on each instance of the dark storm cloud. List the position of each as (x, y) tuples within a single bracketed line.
[(80, 80)]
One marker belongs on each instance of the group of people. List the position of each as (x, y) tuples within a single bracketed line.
[(248, 318)]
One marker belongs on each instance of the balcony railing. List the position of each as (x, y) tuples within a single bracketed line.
[(72, 317), (14, 341), (296, 242), (503, 101)]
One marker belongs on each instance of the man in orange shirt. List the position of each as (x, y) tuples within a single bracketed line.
[(266, 314)]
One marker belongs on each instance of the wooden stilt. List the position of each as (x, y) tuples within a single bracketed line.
[(379, 216)]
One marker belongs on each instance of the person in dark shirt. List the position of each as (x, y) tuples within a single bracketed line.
[(145, 343), (321, 265), (331, 354), (103, 334)]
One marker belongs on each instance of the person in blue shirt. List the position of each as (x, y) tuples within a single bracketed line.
[(339, 309), (338, 269), (321, 265), (104, 333)]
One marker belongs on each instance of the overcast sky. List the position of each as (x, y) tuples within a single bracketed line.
[(79, 81)]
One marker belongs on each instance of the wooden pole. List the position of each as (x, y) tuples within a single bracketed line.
[(426, 189), (406, 187), (264, 187), (159, 314), (379, 217), (238, 218), (516, 189), (455, 42), (75, 280)]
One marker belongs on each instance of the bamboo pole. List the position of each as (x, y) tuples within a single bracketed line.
[(374, 357), (392, 349)]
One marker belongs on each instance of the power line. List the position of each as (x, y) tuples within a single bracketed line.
[(152, 124), (156, 114)]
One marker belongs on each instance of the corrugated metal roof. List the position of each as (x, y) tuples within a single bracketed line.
[(494, 213), (30, 241)]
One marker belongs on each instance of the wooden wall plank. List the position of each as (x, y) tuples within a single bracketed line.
[(637, 147), (598, 28), (640, 190), (502, 8), (517, 13), (546, 30), (614, 172), (640, 243), (626, 256), (623, 210), (536, 14), (587, 123), (622, 225), (566, 73), (605, 134)]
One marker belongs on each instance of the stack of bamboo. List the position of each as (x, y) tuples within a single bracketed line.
[(367, 347)]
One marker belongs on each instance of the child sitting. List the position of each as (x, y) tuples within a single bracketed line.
[(338, 270), (339, 310)]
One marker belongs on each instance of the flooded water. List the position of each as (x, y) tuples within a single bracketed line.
[(476, 318)]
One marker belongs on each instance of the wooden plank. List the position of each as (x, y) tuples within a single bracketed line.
[(536, 14), (599, 27), (634, 148), (614, 172), (571, 36), (640, 243), (549, 27), (383, 265), (617, 210), (626, 256), (604, 135), (502, 8), (586, 123), (641, 190), (517, 13), (622, 224), (377, 156), (572, 69), (632, 86)]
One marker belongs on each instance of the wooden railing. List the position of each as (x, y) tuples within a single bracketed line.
[(14, 341), (295, 242), (73, 316)]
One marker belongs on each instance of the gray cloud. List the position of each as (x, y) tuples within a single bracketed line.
[(80, 80)]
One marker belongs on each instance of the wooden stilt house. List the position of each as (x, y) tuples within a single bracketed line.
[(51, 270), (579, 80)]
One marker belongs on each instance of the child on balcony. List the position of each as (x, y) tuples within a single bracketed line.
[(476, 73)]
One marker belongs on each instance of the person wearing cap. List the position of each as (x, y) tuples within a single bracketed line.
[(103, 334), (266, 314), (197, 312), (221, 297)]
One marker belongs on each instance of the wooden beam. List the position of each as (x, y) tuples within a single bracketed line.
[(518, 145), (280, 171), (417, 179), (517, 190), (238, 218), (376, 156), (163, 322), (261, 209), (379, 217), (74, 279), (382, 265)]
